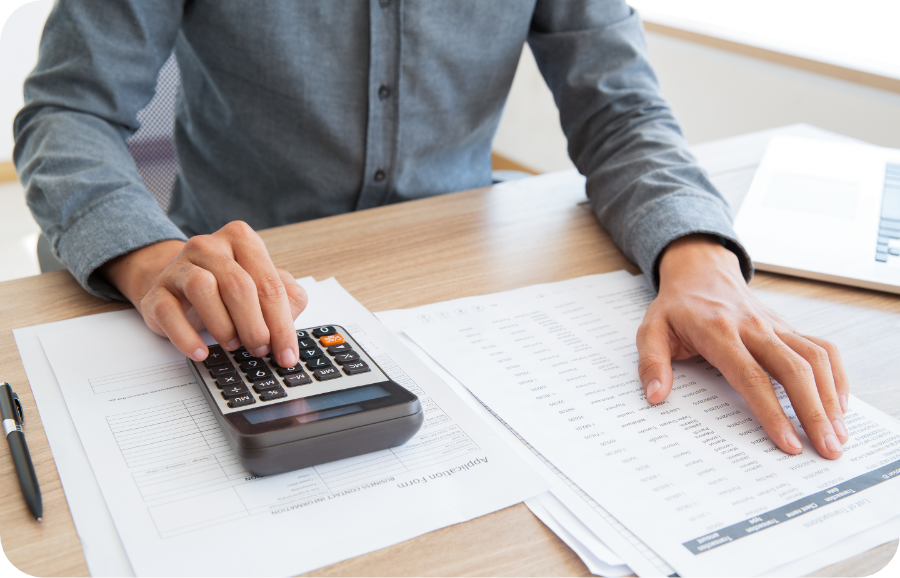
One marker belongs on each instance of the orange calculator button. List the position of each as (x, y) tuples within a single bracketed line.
[(331, 340)]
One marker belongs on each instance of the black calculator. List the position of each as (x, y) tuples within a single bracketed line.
[(334, 404)]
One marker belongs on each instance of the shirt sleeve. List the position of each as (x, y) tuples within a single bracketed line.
[(97, 68), (642, 181)]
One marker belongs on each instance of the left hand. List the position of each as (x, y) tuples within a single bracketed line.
[(705, 307)]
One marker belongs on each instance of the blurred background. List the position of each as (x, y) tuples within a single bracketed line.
[(728, 67)]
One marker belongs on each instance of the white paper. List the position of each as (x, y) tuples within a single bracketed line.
[(538, 507), (100, 543), (183, 505), (613, 543), (561, 369)]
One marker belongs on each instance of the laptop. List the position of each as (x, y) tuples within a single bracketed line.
[(825, 210)]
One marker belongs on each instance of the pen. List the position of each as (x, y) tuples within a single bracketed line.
[(11, 410)]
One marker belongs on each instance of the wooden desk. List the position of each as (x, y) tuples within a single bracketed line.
[(402, 256)]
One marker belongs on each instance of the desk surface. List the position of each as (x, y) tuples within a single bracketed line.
[(436, 249)]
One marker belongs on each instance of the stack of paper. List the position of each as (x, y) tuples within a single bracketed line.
[(691, 485), (154, 488)]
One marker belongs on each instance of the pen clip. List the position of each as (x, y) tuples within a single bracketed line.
[(18, 405)]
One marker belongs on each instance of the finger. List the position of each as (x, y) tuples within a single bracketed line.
[(729, 355), (250, 252), (655, 359), (297, 296), (200, 288), (818, 359), (237, 290), (798, 379), (841, 381), (165, 310)]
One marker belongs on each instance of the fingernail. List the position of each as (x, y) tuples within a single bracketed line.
[(199, 354), (260, 351), (833, 444), (793, 441), (653, 387), (233, 344), (288, 359), (839, 428), (843, 400)]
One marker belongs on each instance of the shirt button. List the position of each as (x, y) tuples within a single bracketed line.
[(379, 175), (384, 3), (384, 91)]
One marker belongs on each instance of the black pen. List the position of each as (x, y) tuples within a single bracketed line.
[(11, 410)]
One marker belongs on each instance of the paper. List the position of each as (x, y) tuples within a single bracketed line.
[(538, 507), (695, 478), (183, 505), (612, 542)]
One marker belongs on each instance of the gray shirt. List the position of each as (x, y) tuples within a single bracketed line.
[(292, 110)]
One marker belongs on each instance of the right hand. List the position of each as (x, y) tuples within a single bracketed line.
[(224, 282)]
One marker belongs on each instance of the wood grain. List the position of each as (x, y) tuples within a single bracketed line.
[(8, 172), (402, 255)]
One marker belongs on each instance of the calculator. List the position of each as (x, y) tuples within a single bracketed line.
[(335, 403)]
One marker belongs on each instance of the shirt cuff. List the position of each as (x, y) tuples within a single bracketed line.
[(675, 216), (123, 222)]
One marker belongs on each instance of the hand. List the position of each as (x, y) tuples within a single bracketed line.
[(224, 282), (705, 307)]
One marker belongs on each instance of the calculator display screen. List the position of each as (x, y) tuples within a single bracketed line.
[(318, 404)]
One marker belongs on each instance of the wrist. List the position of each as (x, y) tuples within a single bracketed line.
[(698, 252), (134, 272)]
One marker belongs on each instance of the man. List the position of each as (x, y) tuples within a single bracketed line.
[(295, 110)]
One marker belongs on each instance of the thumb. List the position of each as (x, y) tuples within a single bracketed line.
[(655, 359)]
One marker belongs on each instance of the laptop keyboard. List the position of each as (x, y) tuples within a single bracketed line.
[(889, 226)]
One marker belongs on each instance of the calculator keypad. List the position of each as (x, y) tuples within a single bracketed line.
[(328, 362)]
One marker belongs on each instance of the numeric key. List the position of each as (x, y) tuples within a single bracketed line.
[(259, 373)]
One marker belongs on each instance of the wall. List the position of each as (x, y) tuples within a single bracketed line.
[(19, 41), (715, 94)]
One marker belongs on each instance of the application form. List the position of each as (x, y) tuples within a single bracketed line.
[(181, 502), (695, 477)]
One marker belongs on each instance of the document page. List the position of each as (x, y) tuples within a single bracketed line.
[(180, 500), (593, 526), (695, 477)]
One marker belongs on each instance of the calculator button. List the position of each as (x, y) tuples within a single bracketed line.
[(323, 331), (341, 348), (271, 394), (258, 374), (242, 400), (261, 386), (217, 356), (234, 391), (310, 353), (296, 379), (336, 339), (301, 335), (226, 380), (224, 369), (318, 363), (282, 371), (356, 367), (327, 373), (251, 364), (345, 358), (308, 343), (243, 356)]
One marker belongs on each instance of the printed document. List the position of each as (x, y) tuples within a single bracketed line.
[(181, 502), (695, 478), (581, 517)]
